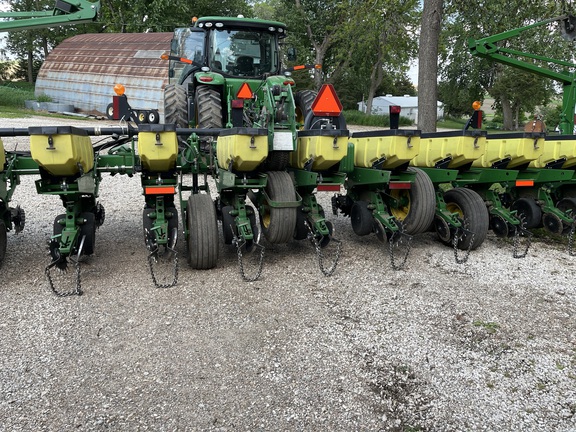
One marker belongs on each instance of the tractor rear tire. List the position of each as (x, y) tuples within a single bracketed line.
[(418, 215), (278, 224), (176, 106), (473, 212), (303, 103), (209, 108), (276, 161), (3, 241), (528, 210), (202, 232)]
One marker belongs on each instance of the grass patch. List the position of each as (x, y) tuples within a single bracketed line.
[(359, 118), (14, 97), (490, 327)]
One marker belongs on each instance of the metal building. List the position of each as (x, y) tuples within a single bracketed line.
[(83, 70)]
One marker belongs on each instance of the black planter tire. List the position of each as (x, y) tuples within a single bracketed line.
[(472, 210), (202, 232), (528, 210), (418, 213), (278, 224)]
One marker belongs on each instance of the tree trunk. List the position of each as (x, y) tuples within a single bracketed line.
[(428, 65), (30, 65), (507, 114), (376, 77)]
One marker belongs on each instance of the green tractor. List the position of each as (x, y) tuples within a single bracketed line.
[(226, 76)]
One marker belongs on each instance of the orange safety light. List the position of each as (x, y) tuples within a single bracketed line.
[(245, 92), (327, 102), (194, 19), (119, 89), (476, 105)]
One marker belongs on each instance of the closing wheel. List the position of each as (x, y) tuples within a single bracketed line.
[(567, 206), (361, 218), (442, 229), (3, 241), (415, 207), (499, 226), (110, 111), (553, 223), (471, 209), (528, 210), (278, 223), (176, 105), (202, 232)]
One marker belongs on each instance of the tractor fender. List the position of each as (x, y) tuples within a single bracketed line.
[(209, 78)]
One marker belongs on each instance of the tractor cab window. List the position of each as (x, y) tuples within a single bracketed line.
[(243, 53), (189, 44)]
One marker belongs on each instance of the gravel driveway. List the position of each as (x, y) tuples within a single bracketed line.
[(439, 346)]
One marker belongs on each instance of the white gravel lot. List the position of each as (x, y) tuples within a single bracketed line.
[(489, 345)]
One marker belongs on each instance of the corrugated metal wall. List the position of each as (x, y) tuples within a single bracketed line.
[(83, 70)]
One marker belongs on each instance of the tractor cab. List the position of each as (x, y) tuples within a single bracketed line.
[(233, 47)]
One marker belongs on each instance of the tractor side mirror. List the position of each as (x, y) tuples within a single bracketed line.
[(170, 73), (291, 54)]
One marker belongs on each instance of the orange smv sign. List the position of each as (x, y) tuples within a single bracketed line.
[(327, 102)]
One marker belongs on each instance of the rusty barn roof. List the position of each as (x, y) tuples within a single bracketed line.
[(83, 70)]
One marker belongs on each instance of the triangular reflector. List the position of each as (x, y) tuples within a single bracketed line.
[(327, 102), (244, 92)]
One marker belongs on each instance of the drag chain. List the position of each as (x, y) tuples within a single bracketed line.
[(396, 239), (318, 248), (457, 238), (62, 265), (520, 230), (153, 258), (571, 240), (240, 243)]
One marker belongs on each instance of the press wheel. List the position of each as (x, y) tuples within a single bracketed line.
[(202, 232), (278, 224), (472, 211)]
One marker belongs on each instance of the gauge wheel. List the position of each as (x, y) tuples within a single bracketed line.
[(278, 223), (471, 210), (415, 207), (176, 106), (3, 241), (229, 229), (528, 210), (202, 227), (567, 206), (361, 218), (88, 229)]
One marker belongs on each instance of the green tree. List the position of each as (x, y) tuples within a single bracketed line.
[(463, 21)]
